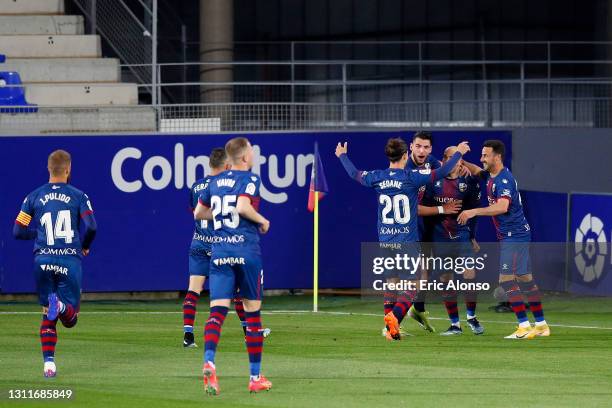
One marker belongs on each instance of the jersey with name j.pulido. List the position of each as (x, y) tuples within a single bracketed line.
[(462, 188), (504, 187), (231, 231), (203, 231), (397, 191), (57, 209)]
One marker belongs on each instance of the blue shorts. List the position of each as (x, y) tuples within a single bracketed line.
[(199, 263), (514, 256), (58, 274), (231, 272)]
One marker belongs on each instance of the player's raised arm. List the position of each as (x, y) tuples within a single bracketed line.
[(422, 177), (20, 229), (342, 154)]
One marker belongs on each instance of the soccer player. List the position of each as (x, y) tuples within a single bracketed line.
[(397, 190), (451, 239), (231, 202), (422, 159), (514, 235), (56, 210), (200, 252)]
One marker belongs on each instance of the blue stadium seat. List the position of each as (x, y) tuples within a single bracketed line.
[(12, 98), (2, 58)]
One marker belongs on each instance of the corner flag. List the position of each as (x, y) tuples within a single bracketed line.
[(318, 187), (318, 183)]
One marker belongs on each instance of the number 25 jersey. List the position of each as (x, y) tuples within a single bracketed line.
[(231, 232)]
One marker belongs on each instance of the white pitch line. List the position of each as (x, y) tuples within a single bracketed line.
[(110, 312)]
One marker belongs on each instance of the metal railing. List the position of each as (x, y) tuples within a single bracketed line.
[(546, 88), (132, 38)]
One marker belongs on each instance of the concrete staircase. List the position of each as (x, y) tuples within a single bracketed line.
[(62, 68)]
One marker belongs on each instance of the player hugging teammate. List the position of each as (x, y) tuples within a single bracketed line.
[(397, 190), (230, 202), (441, 193)]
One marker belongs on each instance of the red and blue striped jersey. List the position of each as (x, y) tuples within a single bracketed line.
[(445, 226)]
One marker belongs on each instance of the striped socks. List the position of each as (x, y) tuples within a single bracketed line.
[(403, 303), (254, 341), (239, 307), (189, 310), (532, 292), (389, 299), (515, 298), (48, 338), (68, 315), (212, 331), (450, 303)]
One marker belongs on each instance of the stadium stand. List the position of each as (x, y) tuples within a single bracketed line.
[(61, 67), (13, 95)]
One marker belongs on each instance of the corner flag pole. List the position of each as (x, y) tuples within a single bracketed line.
[(315, 262)]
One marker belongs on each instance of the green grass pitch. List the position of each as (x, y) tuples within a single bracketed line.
[(129, 354)]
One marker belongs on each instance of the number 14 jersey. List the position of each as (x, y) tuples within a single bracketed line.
[(56, 209)]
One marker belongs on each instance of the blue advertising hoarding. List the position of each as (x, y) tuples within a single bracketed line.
[(590, 261), (138, 186)]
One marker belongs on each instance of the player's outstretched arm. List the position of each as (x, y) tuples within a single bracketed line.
[(202, 212), (422, 177), (474, 169), (462, 148), (351, 170), (451, 207), (500, 207), (246, 210)]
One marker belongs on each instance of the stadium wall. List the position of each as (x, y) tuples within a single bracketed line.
[(562, 160), (138, 185)]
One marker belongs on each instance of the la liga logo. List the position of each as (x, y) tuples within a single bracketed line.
[(591, 248)]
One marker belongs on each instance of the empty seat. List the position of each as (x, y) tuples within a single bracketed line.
[(12, 96)]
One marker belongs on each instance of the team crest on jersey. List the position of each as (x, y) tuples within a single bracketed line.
[(427, 165), (250, 189), (462, 187), (505, 181), (438, 183), (253, 178)]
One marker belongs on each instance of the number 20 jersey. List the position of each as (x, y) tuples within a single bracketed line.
[(232, 233), (398, 200), (57, 209)]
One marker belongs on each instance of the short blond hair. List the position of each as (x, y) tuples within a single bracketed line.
[(58, 162), (236, 148)]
